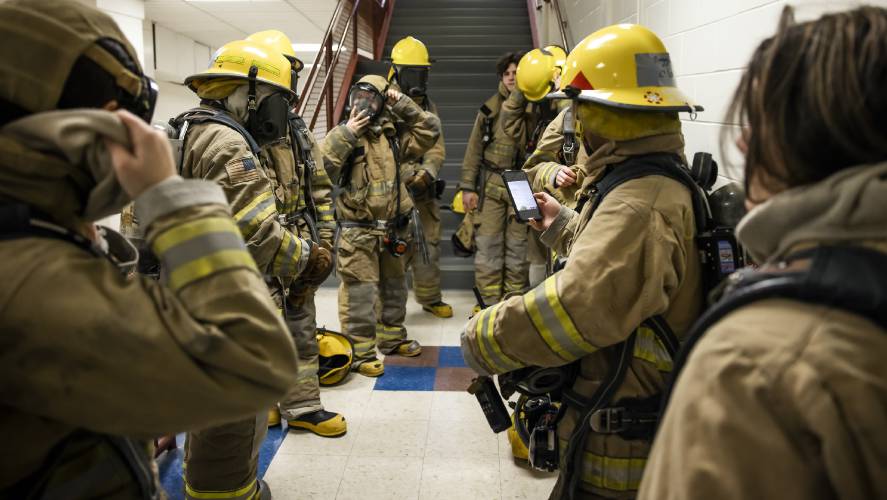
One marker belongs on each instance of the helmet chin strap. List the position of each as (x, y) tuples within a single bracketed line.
[(252, 105)]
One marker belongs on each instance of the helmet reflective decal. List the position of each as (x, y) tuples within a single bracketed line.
[(654, 70)]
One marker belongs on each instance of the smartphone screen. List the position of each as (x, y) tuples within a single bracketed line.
[(521, 196)]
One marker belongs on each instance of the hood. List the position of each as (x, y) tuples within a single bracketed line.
[(57, 163), (849, 206), (613, 152)]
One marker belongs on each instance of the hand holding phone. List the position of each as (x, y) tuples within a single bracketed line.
[(521, 194)]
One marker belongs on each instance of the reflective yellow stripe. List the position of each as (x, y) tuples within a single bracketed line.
[(364, 347), (190, 230), (610, 473), (489, 347), (380, 188), (289, 256), (250, 217), (207, 265), (553, 323), (245, 492), (648, 347)]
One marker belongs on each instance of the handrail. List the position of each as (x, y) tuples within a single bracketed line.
[(561, 24), (331, 65), (312, 76), (331, 60)]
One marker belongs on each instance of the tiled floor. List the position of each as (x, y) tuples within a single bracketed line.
[(413, 433)]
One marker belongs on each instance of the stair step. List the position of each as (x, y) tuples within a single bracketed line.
[(431, 11), (460, 112), (440, 80), (420, 21), (433, 40), (396, 32), (464, 65), (473, 51), (460, 3)]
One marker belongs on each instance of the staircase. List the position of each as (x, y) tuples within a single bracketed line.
[(464, 39)]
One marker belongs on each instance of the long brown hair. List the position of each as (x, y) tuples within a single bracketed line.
[(814, 99)]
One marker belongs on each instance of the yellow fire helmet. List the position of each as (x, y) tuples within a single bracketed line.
[(235, 59), (281, 42), (335, 353), (624, 66), (560, 56), (410, 51), (536, 72)]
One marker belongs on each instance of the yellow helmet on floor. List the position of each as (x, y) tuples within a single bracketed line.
[(281, 42), (335, 355), (536, 73), (235, 60), (623, 66), (410, 51), (560, 56)]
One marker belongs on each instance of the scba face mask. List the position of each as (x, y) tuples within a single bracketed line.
[(413, 80), (365, 98), (271, 118)]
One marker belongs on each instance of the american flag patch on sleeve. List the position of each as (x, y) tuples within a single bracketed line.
[(242, 170)]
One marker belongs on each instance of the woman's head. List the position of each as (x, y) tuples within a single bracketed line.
[(813, 100)]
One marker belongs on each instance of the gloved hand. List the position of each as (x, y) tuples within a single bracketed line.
[(320, 265), (420, 185)]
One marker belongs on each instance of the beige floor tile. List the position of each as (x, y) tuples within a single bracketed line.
[(327, 302), (461, 438), (520, 483), (298, 442), (399, 405), (382, 478), (303, 477), (450, 405), (464, 478), (352, 404), (391, 438)]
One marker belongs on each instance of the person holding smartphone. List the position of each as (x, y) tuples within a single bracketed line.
[(97, 361), (371, 156), (631, 257)]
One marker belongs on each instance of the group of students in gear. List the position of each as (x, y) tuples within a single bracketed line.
[(783, 392), (782, 386)]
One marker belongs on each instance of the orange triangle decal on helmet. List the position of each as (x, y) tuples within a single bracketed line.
[(581, 83)]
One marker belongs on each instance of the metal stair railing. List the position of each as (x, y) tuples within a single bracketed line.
[(341, 35)]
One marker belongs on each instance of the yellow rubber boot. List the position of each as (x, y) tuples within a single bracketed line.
[(371, 368), (409, 349), (273, 417), (518, 449), (440, 309), (321, 422)]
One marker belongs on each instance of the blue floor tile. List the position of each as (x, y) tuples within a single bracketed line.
[(170, 463), (406, 378), (451, 357)]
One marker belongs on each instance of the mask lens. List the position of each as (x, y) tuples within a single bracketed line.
[(413, 80), (365, 100)]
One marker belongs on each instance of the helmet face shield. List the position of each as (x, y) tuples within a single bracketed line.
[(365, 98), (413, 80)]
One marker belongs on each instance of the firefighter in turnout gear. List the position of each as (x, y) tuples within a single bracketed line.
[(500, 263), (370, 155), (246, 94), (527, 109), (409, 73), (97, 360), (631, 258), (304, 207)]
